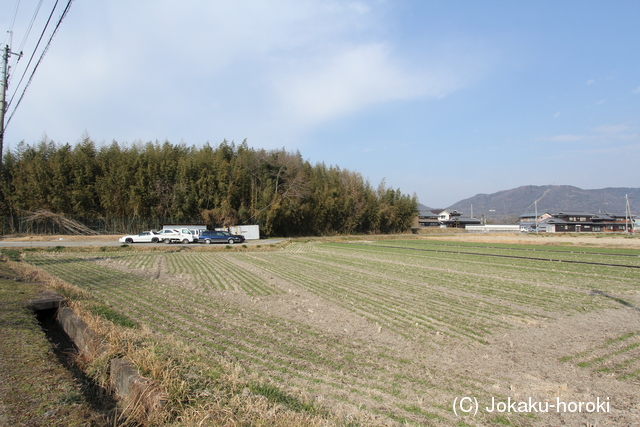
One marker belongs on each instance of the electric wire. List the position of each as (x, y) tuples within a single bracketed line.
[(33, 54), (55, 30), (13, 21), (35, 14), (26, 35)]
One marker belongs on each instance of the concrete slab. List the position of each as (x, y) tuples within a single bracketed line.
[(142, 396), (85, 338), (47, 300)]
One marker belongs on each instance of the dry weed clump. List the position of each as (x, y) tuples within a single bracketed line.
[(44, 216)]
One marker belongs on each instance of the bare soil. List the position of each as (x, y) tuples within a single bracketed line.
[(594, 240), (521, 363), (526, 361)]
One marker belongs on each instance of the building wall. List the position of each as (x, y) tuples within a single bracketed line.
[(493, 228)]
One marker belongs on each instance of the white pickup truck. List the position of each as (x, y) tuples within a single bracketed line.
[(181, 235)]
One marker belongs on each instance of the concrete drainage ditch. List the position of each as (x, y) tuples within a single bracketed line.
[(70, 333)]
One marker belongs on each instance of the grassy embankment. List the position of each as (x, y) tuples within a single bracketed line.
[(35, 388)]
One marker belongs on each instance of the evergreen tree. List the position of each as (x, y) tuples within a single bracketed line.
[(224, 185)]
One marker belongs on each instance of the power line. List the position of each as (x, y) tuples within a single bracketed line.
[(26, 35), (10, 31), (33, 54), (5, 74), (13, 21), (55, 30), (15, 13)]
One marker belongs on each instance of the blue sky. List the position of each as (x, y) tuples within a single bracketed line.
[(444, 99)]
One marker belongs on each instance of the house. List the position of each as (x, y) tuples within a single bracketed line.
[(459, 221), (609, 222), (531, 217), (531, 222), (444, 219), (428, 219), (572, 222), (580, 222)]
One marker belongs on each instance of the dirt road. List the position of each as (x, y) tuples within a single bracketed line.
[(102, 240)]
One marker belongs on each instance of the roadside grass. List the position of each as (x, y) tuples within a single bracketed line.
[(114, 316), (35, 388), (203, 388), (11, 254)]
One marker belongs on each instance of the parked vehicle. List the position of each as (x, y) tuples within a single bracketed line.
[(182, 235), (144, 237), (209, 237)]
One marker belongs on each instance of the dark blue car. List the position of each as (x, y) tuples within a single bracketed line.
[(209, 237)]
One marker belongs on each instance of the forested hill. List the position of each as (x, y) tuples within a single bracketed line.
[(508, 205), (223, 185)]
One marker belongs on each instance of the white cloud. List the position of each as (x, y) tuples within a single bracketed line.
[(636, 90), (619, 151), (613, 129), (201, 70), (140, 67), (359, 6), (607, 138), (566, 138), (352, 79), (590, 82)]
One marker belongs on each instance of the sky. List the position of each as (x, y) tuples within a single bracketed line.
[(441, 99)]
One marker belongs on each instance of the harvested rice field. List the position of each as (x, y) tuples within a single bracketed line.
[(415, 331)]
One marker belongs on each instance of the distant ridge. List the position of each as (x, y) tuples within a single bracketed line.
[(508, 205)]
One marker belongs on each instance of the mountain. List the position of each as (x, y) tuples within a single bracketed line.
[(508, 205)]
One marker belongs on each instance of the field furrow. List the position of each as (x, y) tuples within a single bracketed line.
[(386, 327), (259, 342)]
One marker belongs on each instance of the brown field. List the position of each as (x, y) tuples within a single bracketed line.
[(396, 331)]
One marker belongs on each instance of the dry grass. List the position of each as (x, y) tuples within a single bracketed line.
[(353, 365), (70, 225), (198, 392), (35, 388), (61, 238)]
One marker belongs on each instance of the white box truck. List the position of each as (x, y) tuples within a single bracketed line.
[(179, 235)]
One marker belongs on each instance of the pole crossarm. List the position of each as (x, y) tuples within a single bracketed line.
[(4, 85)]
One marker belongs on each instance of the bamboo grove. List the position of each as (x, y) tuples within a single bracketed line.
[(225, 185)]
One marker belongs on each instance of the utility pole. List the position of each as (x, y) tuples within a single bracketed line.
[(3, 94), (628, 218), (4, 85), (5, 73)]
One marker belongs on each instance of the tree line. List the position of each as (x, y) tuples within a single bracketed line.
[(220, 185)]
